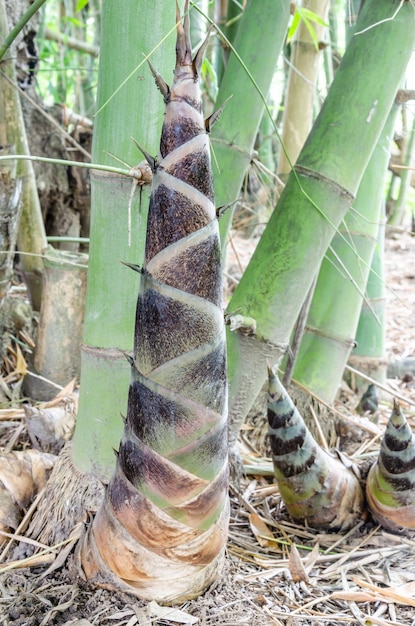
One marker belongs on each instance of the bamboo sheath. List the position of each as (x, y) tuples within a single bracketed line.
[(162, 528)]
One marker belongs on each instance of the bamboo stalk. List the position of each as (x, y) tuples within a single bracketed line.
[(322, 189), (128, 106), (302, 79), (57, 356), (337, 300), (71, 42)]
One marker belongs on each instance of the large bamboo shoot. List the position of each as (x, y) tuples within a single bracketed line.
[(162, 528)]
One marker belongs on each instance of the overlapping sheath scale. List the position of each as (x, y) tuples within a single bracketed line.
[(162, 528)]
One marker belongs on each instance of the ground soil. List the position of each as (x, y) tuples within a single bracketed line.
[(276, 572)]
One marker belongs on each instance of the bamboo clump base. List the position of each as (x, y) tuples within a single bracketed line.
[(275, 571), (363, 576)]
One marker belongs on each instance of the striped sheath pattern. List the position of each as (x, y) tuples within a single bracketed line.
[(390, 487), (316, 487), (162, 528)]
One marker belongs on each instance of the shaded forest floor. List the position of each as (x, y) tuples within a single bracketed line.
[(275, 572)]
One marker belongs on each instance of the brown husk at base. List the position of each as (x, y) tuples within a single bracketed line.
[(69, 497)]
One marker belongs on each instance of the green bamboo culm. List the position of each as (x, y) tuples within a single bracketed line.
[(400, 206), (228, 19), (337, 300), (301, 86), (266, 137), (318, 194), (262, 27), (10, 184), (133, 109), (369, 352)]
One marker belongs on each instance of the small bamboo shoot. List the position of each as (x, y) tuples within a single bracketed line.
[(317, 488), (390, 487)]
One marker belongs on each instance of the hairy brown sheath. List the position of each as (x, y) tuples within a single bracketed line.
[(162, 528)]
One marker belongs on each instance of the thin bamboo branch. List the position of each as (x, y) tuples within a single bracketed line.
[(71, 42), (93, 166), (19, 26)]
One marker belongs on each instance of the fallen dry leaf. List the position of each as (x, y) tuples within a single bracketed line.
[(296, 567), (173, 615), (53, 425), (261, 531), (356, 596), (21, 365), (311, 559), (403, 594), (22, 474), (65, 392)]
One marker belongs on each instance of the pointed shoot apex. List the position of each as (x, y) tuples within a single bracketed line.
[(275, 388), (183, 44), (397, 418), (129, 358), (212, 119), (198, 60)]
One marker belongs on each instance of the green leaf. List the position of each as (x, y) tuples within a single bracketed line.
[(294, 25), (74, 21), (81, 4), (210, 79), (311, 31), (313, 17), (307, 17)]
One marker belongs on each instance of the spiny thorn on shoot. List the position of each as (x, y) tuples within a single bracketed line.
[(161, 83), (221, 210), (397, 417), (212, 119), (129, 358), (199, 56), (150, 160), (133, 266)]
